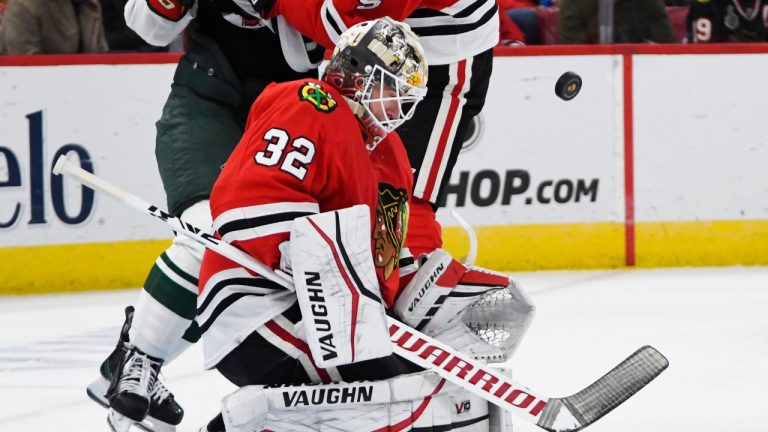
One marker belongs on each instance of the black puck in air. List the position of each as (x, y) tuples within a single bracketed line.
[(568, 86)]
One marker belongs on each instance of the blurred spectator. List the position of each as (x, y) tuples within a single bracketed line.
[(677, 16), (2, 10), (523, 14), (634, 21), (3, 4), (119, 36), (509, 32), (728, 21), (53, 27), (548, 19)]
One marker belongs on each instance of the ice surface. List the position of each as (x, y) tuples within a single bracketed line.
[(711, 323)]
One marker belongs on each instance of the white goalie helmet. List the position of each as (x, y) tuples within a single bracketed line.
[(379, 67)]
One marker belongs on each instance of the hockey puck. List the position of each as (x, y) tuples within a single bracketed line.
[(568, 86)]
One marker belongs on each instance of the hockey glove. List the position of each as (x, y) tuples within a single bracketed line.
[(435, 297), (477, 311)]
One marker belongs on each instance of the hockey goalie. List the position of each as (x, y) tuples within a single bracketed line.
[(319, 188)]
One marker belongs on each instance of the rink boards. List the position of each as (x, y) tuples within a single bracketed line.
[(660, 161)]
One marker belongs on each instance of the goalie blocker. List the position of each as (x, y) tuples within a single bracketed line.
[(337, 287)]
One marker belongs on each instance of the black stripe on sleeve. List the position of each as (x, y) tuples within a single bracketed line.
[(469, 10), (452, 29), (221, 307), (243, 281), (255, 222), (427, 13), (333, 23)]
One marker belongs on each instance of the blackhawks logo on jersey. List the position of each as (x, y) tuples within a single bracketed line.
[(318, 97), (390, 227)]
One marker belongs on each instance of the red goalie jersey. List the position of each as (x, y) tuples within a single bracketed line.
[(302, 153)]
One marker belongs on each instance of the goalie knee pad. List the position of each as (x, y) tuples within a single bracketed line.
[(415, 401)]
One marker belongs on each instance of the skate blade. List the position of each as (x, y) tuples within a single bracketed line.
[(97, 391), (118, 422), (121, 423), (151, 424)]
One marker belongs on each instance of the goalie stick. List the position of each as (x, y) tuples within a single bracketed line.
[(570, 413)]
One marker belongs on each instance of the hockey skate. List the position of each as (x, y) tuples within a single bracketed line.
[(154, 409), (215, 425)]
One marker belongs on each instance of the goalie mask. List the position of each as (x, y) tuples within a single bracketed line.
[(379, 68)]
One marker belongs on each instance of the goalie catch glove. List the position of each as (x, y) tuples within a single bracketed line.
[(477, 311)]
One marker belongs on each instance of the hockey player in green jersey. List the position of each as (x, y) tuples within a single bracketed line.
[(231, 57)]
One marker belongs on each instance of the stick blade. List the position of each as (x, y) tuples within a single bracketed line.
[(601, 397)]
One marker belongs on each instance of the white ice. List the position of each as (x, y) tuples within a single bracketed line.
[(711, 323)]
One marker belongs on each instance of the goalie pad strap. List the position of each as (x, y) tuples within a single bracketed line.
[(337, 287)]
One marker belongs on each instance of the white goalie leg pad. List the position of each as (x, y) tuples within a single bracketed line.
[(336, 285), (421, 400), (435, 297), (469, 413)]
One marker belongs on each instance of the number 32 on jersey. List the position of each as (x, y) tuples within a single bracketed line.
[(297, 157)]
